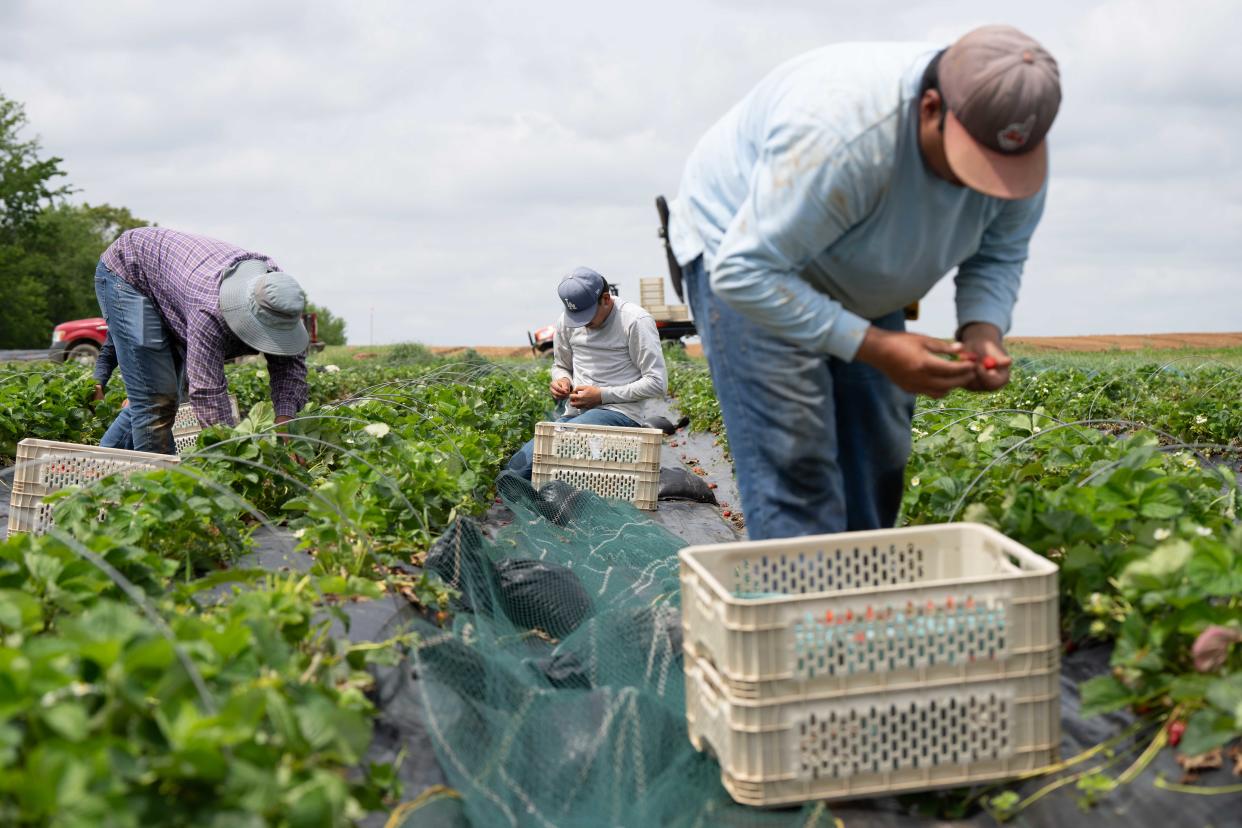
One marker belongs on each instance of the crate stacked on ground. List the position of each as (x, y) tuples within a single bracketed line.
[(44, 467), (863, 663), (615, 462), (651, 297), (186, 427)]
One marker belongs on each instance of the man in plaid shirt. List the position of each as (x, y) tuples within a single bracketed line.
[(179, 303)]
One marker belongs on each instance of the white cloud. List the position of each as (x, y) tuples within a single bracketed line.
[(445, 162)]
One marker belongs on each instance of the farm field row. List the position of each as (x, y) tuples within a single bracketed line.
[(138, 687), (134, 675), (1126, 477)]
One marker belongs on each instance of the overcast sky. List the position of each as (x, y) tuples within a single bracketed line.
[(443, 163)]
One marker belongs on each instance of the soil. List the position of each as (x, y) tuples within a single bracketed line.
[(493, 351), (1129, 342)]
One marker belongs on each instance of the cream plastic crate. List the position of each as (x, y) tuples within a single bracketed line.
[(863, 611), (613, 461), (677, 313), (885, 742), (45, 466), (186, 427), (651, 289)]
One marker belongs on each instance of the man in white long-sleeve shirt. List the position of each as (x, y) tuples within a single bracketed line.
[(607, 360), (838, 191)]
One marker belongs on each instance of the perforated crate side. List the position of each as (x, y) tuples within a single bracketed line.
[(185, 442), (27, 514), (46, 466), (882, 743), (186, 421), (605, 447), (641, 488), (856, 612)]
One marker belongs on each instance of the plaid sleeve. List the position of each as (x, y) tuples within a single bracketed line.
[(288, 382), (204, 367), (105, 363)]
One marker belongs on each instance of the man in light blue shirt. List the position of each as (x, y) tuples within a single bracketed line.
[(839, 191)]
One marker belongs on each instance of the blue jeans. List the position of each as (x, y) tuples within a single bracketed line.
[(149, 363), (121, 433), (523, 461), (819, 444)]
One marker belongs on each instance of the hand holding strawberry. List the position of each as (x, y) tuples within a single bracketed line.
[(982, 344)]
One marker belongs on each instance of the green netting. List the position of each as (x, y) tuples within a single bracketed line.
[(557, 698)]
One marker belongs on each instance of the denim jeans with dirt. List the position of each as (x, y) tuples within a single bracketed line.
[(819, 445), (150, 366)]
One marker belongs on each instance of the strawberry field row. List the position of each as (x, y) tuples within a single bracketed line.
[(150, 676)]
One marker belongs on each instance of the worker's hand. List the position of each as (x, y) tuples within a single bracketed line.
[(98, 396), (586, 396), (982, 345), (281, 419), (561, 388), (914, 362)]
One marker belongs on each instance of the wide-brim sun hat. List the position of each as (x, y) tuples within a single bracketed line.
[(264, 308)]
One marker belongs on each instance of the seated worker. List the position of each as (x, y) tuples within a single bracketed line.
[(606, 359)]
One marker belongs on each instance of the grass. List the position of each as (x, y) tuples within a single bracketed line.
[(1104, 359)]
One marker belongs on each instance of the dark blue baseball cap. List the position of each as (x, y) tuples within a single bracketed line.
[(580, 293)]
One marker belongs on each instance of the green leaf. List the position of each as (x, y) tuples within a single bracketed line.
[(1160, 503), (1155, 569), (1214, 571), (68, 719), (1226, 694), (1206, 730), (19, 611), (1104, 694), (1190, 687)]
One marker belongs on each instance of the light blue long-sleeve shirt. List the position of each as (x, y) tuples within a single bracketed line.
[(814, 211)]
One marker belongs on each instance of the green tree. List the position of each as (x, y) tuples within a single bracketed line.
[(331, 327), (26, 188), (26, 180), (48, 249), (65, 248)]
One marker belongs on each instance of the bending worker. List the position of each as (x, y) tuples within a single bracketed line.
[(606, 359), (175, 302), (839, 191)]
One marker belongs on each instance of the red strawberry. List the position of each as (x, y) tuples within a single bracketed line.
[(989, 362), (1176, 729), (727, 513)]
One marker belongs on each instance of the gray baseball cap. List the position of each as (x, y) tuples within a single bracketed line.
[(1002, 90), (580, 293), (264, 308)]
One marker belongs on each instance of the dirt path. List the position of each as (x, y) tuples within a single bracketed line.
[(1129, 342)]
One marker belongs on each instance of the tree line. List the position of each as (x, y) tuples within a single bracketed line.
[(49, 245)]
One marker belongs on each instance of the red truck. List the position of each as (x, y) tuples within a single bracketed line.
[(82, 339)]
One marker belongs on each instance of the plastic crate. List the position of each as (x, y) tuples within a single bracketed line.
[(186, 427), (883, 742), (45, 466), (863, 611), (677, 313), (652, 288), (613, 461)]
